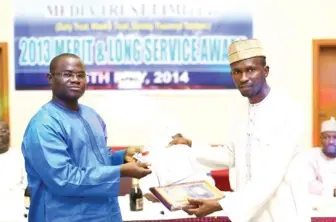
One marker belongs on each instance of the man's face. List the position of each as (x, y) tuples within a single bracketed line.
[(68, 80), (249, 76), (329, 143), (4, 136)]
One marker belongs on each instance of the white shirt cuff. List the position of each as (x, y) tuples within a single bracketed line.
[(224, 202), (197, 144)]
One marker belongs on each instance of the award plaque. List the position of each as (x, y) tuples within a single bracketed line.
[(175, 196)]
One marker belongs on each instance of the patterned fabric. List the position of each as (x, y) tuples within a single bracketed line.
[(250, 137)]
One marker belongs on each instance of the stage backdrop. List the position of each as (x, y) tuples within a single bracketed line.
[(131, 44)]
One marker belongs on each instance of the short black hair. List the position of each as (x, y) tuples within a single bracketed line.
[(55, 60)]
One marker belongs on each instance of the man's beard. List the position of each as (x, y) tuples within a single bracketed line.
[(330, 151), (4, 141), (4, 147)]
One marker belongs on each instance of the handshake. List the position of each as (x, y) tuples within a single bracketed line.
[(133, 166)]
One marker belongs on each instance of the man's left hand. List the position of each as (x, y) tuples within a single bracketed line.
[(204, 207), (130, 153)]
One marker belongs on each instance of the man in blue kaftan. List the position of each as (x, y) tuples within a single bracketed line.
[(72, 175)]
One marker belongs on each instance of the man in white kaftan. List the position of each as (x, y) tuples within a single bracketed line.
[(264, 142), (322, 167)]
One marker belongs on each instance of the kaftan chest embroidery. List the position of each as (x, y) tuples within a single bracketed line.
[(258, 143), (250, 138)]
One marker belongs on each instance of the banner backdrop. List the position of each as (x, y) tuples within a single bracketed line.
[(131, 44)]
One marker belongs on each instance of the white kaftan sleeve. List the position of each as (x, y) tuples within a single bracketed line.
[(219, 157)]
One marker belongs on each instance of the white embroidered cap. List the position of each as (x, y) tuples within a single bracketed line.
[(329, 125), (245, 49)]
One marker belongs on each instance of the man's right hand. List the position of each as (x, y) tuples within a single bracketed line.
[(135, 170), (179, 139)]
